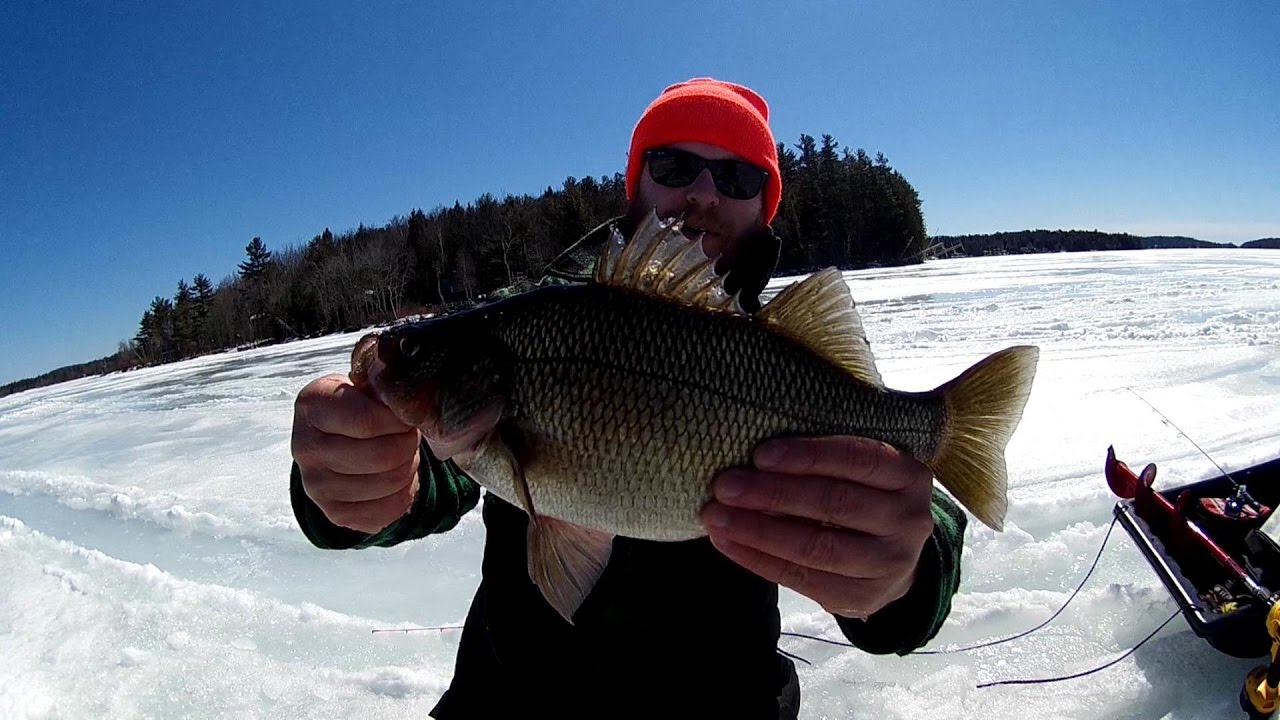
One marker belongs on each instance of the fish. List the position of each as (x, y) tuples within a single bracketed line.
[(620, 398)]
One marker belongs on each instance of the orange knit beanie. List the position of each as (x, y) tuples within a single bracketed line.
[(714, 112)]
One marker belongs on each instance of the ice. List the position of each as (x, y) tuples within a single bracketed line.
[(152, 566)]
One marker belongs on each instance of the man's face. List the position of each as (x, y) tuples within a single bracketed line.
[(725, 220)]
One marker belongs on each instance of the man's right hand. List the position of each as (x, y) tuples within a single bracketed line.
[(359, 463)]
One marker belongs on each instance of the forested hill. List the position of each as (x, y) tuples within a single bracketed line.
[(1268, 243), (1039, 241), (840, 207), (1152, 242)]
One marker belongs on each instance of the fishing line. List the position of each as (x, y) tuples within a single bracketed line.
[(793, 656), (1086, 672), (459, 627), (1242, 498), (1025, 633), (1188, 438), (1239, 489), (417, 629)]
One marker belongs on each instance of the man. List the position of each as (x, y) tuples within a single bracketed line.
[(671, 629)]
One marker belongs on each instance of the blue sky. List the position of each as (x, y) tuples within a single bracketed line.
[(145, 144)]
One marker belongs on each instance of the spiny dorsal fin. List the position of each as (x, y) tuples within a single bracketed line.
[(659, 260), (819, 313)]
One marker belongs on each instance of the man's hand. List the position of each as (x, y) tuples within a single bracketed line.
[(841, 520), (358, 462)]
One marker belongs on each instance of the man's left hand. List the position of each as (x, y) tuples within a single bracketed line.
[(841, 520)]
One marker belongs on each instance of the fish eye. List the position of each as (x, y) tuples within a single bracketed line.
[(408, 347)]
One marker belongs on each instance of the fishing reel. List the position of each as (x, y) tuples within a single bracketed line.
[(1235, 505), (1260, 696)]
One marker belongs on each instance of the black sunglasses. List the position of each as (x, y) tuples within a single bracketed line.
[(678, 168)]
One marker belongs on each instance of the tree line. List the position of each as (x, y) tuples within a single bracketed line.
[(1046, 241), (840, 207)]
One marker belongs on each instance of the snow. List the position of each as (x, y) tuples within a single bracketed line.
[(152, 566)]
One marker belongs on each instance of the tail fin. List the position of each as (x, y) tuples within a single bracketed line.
[(983, 407)]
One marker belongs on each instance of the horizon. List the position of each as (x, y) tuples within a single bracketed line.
[(152, 146)]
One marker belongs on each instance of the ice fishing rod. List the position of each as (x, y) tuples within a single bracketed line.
[(1259, 691), (1242, 495), (1260, 694)]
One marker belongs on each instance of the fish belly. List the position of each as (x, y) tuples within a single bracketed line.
[(630, 455)]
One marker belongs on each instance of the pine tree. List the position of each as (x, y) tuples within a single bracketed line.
[(203, 290), (259, 258), (253, 272), (184, 320), (427, 255), (142, 342), (155, 332)]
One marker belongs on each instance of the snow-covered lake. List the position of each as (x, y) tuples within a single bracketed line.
[(150, 565)]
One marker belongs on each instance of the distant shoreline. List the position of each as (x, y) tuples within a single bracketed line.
[(945, 247)]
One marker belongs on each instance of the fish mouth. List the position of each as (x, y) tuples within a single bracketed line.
[(363, 357), (371, 374), (418, 403)]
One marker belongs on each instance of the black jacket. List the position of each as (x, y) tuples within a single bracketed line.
[(671, 630)]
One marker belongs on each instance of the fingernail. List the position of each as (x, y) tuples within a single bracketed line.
[(730, 486), (770, 454), (717, 516)]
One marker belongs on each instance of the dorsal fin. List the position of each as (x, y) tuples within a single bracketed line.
[(819, 313), (659, 260)]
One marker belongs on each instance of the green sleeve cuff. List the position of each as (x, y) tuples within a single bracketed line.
[(909, 622), (445, 494)]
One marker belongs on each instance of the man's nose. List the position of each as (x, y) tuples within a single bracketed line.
[(702, 191)]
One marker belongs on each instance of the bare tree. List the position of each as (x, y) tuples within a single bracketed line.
[(384, 269), (465, 272)]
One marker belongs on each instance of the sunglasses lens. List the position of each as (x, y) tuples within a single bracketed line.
[(739, 180), (677, 168), (673, 168)]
